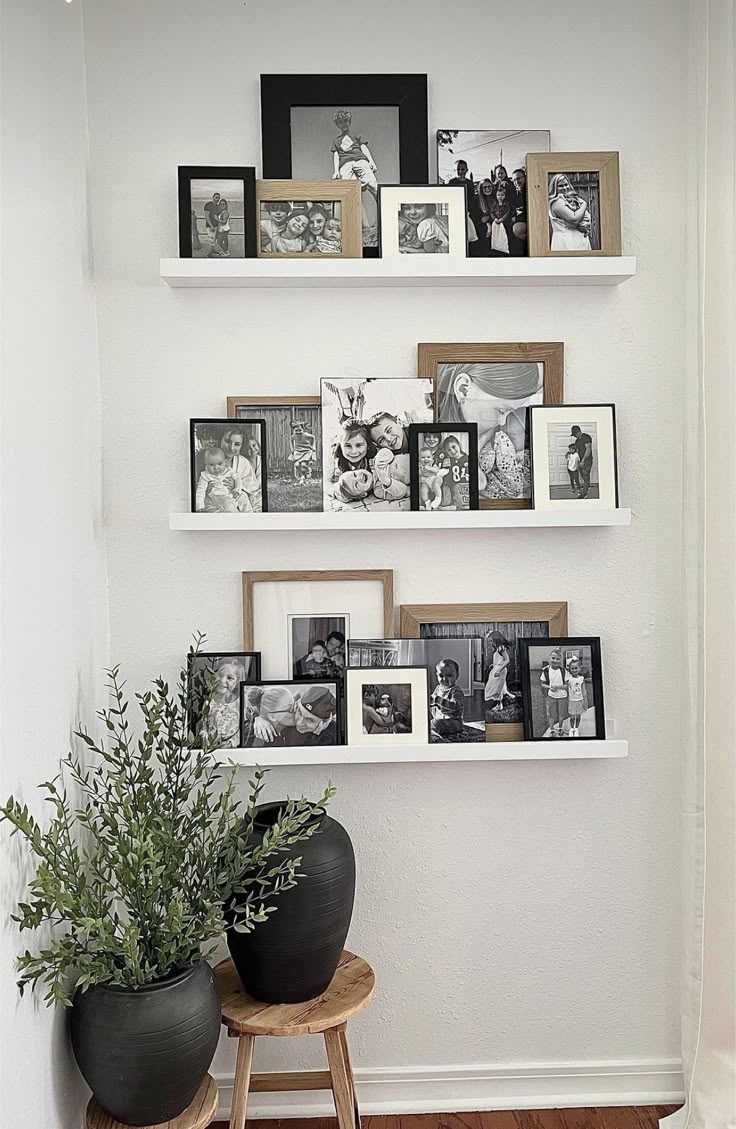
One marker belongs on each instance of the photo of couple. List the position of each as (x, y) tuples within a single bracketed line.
[(289, 714), (218, 230)]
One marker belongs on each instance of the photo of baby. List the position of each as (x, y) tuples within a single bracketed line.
[(365, 439), (444, 468), (227, 469), (214, 688), (423, 229), (300, 227), (574, 211)]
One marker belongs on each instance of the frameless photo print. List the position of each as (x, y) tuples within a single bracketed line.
[(228, 471), (491, 166), (456, 705), (317, 645), (365, 439), (295, 227), (574, 457), (293, 451), (574, 211), (214, 685), (563, 689), (387, 706), (289, 714), (444, 467)]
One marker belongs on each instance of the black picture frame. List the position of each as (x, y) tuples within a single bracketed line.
[(418, 429), (194, 705), (228, 423), (408, 92), (333, 682), (246, 173), (561, 644), (540, 409)]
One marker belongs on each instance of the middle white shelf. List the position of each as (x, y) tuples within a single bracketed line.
[(467, 519)]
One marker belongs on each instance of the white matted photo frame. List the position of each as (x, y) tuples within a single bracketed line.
[(388, 705), (574, 459), (309, 219), (574, 202), (422, 220), (364, 598)]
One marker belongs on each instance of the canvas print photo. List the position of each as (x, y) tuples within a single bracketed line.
[(293, 454), (295, 227), (218, 219), (287, 714), (226, 467), (215, 683), (365, 439)]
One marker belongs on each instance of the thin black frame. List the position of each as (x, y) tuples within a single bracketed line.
[(440, 188), (341, 741), (408, 92), (353, 669), (230, 423), (255, 655), (558, 644), (561, 407), (469, 429), (188, 173)]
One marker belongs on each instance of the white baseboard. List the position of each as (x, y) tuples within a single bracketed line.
[(445, 1089)]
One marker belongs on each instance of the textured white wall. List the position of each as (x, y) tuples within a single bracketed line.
[(54, 607), (514, 912)]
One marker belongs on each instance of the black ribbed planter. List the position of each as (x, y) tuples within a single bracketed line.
[(144, 1052), (293, 956)]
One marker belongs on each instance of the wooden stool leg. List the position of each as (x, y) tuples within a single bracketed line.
[(242, 1081), (343, 1030), (341, 1087)]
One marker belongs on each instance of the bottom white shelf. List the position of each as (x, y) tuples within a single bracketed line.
[(548, 750)]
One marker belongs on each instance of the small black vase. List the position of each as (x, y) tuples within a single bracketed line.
[(144, 1052), (293, 956)]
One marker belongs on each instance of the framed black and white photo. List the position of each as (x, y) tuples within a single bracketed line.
[(456, 705), (444, 466), (387, 705), (214, 682), (492, 385), (293, 448), (311, 219), (562, 685), (217, 212), (228, 466), (490, 165), (365, 439), (422, 220), (289, 713), (317, 645), (368, 128), (574, 461), (574, 204)]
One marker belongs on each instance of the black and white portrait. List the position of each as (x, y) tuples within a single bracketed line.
[(423, 228), (564, 683), (387, 708), (574, 211), (214, 682), (572, 454), (227, 470), (495, 396), (348, 143), (491, 166), (298, 227), (365, 439), (456, 705), (441, 467), (287, 714), (218, 219), (293, 452), (317, 645), (574, 458)]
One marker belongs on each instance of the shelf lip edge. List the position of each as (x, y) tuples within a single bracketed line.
[(183, 521), (472, 752)]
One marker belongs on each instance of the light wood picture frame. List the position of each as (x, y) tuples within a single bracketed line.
[(446, 364), (294, 477), (520, 619), (346, 193), (593, 181)]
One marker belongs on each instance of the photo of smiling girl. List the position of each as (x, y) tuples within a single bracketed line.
[(298, 227)]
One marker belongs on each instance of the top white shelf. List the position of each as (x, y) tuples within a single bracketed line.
[(594, 270)]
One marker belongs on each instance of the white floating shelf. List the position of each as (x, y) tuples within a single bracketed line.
[(404, 520), (593, 270), (548, 750)]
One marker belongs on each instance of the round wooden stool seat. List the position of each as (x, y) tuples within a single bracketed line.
[(349, 992), (196, 1116)]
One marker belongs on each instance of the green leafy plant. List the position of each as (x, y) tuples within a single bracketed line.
[(138, 867)]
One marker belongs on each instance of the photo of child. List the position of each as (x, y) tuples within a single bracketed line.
[(387, 709), (446, 479), (317, 645), (214, 688), (299, 227), (565, 689), (218, 218), (423, 229), (226, 467), (293, 450)]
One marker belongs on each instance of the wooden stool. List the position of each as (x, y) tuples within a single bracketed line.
[(245, 1018), (195, 1116)]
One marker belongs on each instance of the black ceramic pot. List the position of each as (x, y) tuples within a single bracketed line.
[(144, 1052), (293, 956)]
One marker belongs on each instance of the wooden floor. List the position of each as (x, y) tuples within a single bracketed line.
[(608, 1117)]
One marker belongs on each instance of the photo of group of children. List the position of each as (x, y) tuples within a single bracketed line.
[(563, 680), (293, 227)]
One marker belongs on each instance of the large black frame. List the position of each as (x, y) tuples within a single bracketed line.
[(229, 423), (559, 644), (295, 682), (188, 173), (469, 429), (408, 92)]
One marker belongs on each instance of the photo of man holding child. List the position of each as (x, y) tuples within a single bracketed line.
[(317, 645)]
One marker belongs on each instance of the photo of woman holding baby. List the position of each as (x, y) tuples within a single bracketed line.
[(574, 212), (227, 471)]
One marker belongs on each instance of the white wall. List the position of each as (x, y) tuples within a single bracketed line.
[(54, 621), (514, 912)]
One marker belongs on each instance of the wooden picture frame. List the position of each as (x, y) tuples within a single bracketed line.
[(346, 193), (217, 174), (293, 484), (416, 431), (604, 198), (197, 462), (568, 647), (549, 354), (553, 613)]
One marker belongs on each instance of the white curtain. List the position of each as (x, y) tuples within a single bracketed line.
[(709, 556)]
